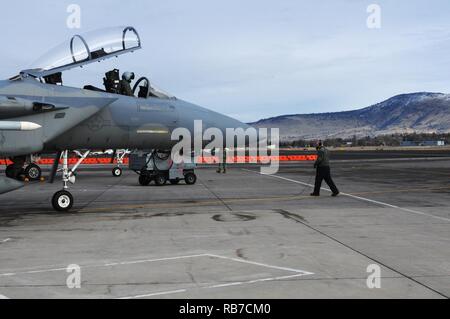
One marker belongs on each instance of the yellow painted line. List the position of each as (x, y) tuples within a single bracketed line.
[(209, 202), (184, 204)]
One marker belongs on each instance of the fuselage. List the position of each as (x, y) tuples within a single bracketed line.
[(86, 119)]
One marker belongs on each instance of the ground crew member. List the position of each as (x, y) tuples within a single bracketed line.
[(222, 163), (322, 165), (125, 84)]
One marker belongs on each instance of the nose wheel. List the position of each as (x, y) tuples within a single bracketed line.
[(117, 172), (62, 201), (119, 156)]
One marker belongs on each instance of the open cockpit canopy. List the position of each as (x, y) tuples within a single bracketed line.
[(84, 49)]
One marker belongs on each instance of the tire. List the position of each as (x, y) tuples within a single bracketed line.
[(160, 180), (33, 172), (174, 181), (117, 172), (10, 171), (62, 201), (190, 178), (14, 171), (144, 180)]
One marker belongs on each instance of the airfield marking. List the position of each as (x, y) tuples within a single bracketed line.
[(153, 260), (262, 265), (355, 197), (6, 240), (298, 273), (154, 294), (230, 284), (131, 262), (3, 297), (37, 271), (253, 281)]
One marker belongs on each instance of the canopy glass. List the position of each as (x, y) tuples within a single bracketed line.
[(87, 48)]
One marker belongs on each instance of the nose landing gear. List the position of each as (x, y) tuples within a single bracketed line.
[(119, 156), (62, 201)]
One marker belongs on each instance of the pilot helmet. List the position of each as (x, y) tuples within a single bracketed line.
[(319, 145), (128, 76)]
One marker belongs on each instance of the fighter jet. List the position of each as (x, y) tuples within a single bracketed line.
[(38, 114)]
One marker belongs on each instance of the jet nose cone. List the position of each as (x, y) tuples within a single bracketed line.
[(233, 131), (226, 122)]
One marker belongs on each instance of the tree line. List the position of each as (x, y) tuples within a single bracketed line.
[(381, 140)]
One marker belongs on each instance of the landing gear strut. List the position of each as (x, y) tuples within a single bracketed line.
[(119, 156), (62, 200)]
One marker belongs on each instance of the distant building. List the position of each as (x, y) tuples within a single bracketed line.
[(422, 143)]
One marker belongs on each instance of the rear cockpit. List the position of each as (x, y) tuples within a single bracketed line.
[(91, 47)]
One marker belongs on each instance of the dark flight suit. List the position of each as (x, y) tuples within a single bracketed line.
[(222, 165), (125, 88), (322, 165)]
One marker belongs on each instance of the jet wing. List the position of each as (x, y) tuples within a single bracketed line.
[(69, 112)]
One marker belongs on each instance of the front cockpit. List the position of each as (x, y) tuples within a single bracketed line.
[(91, 47), (142, 88)]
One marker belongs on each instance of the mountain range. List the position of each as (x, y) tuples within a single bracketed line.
[(421, 112)]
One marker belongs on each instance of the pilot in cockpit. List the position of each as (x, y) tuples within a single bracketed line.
[(125, 84)]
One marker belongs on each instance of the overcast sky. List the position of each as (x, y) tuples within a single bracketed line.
[(252, 59)]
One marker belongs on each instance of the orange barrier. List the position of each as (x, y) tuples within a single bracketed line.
[(258, 159), (201, 160), (71, 161)]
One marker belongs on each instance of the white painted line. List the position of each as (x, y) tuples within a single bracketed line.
[(102, 265), (225, 285), (31, 272), (356, 197), (109, 265), (133, 262), (155, 294), (3, 297), (279, 278), (298, 272), (159, 259), (263, 265), (6, 240), (44, 270), (255, 281)]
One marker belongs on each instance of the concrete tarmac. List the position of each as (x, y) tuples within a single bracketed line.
[(235, 235)]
